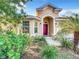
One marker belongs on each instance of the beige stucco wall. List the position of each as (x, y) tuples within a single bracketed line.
[(31, 26), (47, 12)]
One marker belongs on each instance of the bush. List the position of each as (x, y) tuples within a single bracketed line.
[(12, 45), (49, 52), (67, 43), (59, 36), (39, 39)]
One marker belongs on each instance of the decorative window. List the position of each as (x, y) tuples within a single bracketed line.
[(35, 27), (25, 26)]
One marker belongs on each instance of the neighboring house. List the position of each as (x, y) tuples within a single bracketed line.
[(44, 23)]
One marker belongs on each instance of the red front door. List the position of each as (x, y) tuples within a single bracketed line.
[(45, 29)]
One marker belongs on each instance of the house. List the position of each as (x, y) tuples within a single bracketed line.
[(44, 23)]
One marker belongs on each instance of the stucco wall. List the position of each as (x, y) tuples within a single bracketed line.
[(31, 23), (47, 12)]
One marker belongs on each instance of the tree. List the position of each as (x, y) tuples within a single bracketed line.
[(71, 24), (9, 7), (8, 11), (11, 44)]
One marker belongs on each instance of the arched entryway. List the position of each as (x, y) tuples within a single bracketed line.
[(48, 26)]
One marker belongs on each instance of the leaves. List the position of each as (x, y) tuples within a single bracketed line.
[(71, 24), (49, 52), (9, 14), (13, 55), (12, 45), (9, 6), (9, 9)]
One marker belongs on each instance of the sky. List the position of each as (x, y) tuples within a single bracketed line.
[(66, 5)]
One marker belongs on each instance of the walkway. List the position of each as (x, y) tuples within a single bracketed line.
[(50, 41)]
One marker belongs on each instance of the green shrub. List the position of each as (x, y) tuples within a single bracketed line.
[(39, 39), (59, 36), (49, 52), (12, 45), (67, 43)]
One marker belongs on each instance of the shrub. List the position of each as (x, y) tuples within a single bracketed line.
[(39, 39), (12, 45), (49, 52), (59, 36), (67, 43)]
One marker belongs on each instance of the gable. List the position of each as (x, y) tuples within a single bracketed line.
[(47, 5), (47, 9)]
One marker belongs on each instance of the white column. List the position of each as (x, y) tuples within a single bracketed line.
[(41, 26), (54, 26)]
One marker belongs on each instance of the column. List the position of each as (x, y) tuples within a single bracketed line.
[(54, 26)]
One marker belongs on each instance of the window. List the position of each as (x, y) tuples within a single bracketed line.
[(25, 26), (35, 27)]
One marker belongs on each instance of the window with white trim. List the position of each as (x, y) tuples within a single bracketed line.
[(35, 27), (25, 26)]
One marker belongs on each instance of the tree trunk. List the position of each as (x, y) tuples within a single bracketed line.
[(76, 39)]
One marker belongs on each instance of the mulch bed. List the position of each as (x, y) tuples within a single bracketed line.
[(34, 53)]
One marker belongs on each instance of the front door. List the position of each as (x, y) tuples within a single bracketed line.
[(45, 29)]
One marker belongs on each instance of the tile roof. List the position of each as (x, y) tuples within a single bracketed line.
[(31, 17), (48, 4)]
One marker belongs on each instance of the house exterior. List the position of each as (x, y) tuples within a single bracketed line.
[(44, 23)]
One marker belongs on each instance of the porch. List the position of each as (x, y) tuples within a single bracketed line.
[(48, 28)]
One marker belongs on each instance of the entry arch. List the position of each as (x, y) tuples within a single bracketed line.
[(48, 28)]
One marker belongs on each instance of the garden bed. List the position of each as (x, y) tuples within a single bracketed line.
[(34, 53)]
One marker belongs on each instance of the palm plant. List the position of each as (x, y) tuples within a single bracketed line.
[(49, 52), (71, 25)]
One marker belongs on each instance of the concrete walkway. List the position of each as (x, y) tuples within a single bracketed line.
[(52, 42)]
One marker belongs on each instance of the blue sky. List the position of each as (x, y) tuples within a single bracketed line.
[(66, 5)]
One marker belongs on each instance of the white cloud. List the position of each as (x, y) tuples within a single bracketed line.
[(68, 12)]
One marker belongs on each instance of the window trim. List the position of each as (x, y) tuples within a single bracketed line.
[(35, 27), (25, 26)]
